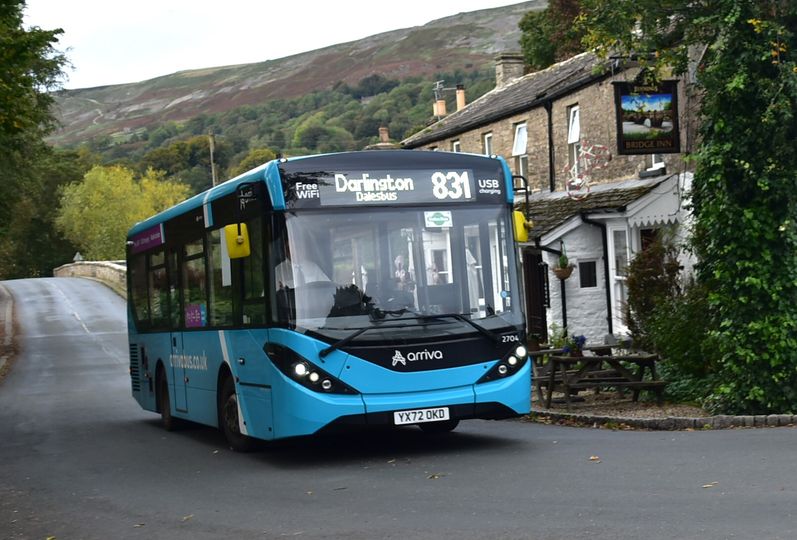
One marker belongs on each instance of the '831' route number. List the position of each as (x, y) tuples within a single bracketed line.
[(451, 185)]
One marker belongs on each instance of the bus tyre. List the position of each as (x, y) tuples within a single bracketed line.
[(168, 422), (445, 426), (228, 419)]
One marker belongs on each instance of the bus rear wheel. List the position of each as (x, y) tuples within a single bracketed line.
[(229, 422), (445, 426)]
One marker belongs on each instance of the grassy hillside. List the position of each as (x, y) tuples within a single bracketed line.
[(466, 42)]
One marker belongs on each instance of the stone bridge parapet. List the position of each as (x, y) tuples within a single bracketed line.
[(111, 273)]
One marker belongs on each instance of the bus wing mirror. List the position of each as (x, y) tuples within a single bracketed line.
[(237, 238), (521, 226)]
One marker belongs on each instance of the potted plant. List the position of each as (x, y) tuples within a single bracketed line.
[(574, 345), (563, 268)]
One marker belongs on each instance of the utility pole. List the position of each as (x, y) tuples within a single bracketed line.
[(212, 142)]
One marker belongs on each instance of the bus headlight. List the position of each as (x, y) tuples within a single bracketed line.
[(304, 372), (300, 369), (511, 363)]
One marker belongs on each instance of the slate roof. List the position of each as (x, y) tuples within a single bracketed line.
[(520, 95), (550, 210)]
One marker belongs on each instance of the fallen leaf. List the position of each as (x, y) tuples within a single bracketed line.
[(711, 485), (594, 458), (435, 476), (392, 460), (189, 516), (340, 488), (138, 525)]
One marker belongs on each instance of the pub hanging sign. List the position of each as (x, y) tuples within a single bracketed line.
[(647, 118)]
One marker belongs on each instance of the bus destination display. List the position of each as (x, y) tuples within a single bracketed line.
[(357, 188)]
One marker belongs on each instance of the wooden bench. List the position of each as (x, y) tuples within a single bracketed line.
[(572, 373)]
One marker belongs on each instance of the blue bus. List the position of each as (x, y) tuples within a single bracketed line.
[(325, 292)]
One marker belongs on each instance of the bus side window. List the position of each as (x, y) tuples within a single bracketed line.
[(254, 292), (138, 283), (283, 309), (221, 297), (176, 306), (194, 284), (158, 290)]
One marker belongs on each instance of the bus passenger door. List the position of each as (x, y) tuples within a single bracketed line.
[(179, 373)]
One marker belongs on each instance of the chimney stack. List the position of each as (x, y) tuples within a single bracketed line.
[(384, 135), (508, 67), (439, 107), (460, 96)]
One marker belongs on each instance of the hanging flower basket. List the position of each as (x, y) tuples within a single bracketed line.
[(563, 272)]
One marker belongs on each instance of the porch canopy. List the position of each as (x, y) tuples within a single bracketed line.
[(647, 202)]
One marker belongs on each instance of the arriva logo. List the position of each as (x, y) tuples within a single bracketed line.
[(425, 354)]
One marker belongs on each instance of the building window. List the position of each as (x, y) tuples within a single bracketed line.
[(588, 274), (656, 162), (519, 153), (618, 270), (456, 146), (487, 143), (574, 138)]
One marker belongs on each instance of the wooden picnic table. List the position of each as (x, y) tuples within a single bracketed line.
[(597, 368)]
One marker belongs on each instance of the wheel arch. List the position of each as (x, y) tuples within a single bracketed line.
[(160, 373)]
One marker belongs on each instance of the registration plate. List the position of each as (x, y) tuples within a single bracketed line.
[(418, 416)]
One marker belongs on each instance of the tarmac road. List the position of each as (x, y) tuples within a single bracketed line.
[(79, 459)]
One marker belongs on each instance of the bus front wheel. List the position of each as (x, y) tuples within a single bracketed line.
[(229, 421)]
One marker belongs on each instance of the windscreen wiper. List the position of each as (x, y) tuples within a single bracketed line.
[(377, 315), (460, 317)]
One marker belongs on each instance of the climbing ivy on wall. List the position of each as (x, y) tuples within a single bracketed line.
[(744, 54)]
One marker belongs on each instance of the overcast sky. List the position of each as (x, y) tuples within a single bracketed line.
[(113, 42)]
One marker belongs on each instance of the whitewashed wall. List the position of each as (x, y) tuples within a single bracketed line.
[(586, 308)]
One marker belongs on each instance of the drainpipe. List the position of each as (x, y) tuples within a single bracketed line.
[(551, 169), (606, 280), (561, 281)]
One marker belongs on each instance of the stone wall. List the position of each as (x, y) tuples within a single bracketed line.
[(111, 273), (598, 126)]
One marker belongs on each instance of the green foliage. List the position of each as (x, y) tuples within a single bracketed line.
[(95, 214), (29, 68), (550, 36), (255, 158), (342, 118), (745, 186), (653, 280)]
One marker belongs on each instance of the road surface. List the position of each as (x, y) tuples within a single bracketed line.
[(79, 459)]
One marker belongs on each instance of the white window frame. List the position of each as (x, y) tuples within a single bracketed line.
[(656, 162), (487, 143), (521, 139), (456, 146), (574, 137), (618, 282)]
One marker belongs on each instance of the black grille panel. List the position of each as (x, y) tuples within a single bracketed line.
[(135, 370)]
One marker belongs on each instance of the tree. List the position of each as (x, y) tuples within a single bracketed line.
[(255, 158), (744, 54), (29, 67), (96, 214), (551, 35)]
